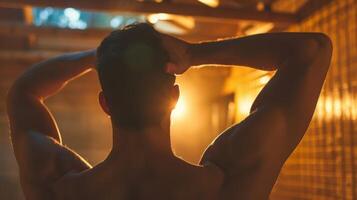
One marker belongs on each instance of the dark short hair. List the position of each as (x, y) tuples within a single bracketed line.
[(130, 65)]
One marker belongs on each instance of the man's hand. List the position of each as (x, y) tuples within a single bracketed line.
[(178, 52)]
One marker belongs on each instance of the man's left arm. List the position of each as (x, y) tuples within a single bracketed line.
[(37, 143)]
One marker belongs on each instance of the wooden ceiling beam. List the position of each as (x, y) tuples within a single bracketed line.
[(198, 10), (21, 29), (40, 51)]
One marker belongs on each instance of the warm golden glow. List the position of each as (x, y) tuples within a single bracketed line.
[(260, 6), (244, 106), (180, 109), (170, 28), (261, 28), (329, 107), (154, 18), (169, 23), (264, 79), (211, 3)]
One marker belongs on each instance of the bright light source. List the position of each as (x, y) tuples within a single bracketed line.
[(211, 3), (72, 14), (154, 18), (44, 14), (186, 22), (168, 27), (116, 21), (77, 24), (244, 106), (328, 107), (264, 79), (73, 19), (169, 23), (180, 109)]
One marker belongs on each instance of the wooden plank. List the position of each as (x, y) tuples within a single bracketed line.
[(151, 7), (11, 42), (310, 7), (13, 14), (21, 29), (25, 55)]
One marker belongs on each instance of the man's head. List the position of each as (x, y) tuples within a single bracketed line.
[(136, 91)]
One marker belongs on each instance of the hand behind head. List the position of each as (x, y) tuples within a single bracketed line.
[(178, 53)]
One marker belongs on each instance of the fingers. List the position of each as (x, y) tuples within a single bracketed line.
[(171, 68), (176, 50), (174, 69)]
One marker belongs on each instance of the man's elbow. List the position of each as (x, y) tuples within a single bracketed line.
[(12, 94), (316, 45), (324, 41), (324, 45), (18, 91), (22, 87), (325, 48)]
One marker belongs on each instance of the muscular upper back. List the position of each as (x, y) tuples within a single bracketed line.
[(181, 181)]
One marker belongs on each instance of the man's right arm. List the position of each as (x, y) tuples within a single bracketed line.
[(295, 56), (262, 51), (252, 152)]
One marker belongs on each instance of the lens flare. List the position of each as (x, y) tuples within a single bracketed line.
[(180, 109)]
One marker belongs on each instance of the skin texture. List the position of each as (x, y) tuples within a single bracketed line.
[(242, 163)]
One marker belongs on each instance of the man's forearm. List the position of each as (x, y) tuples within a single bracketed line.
[(263, 51), (46, 78)]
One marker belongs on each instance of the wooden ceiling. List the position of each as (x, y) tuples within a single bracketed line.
[(230, 18)]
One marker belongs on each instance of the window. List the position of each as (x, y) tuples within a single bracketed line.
[(78, 19)]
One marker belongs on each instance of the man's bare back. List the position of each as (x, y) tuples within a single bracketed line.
[(242, 163), (171, 179)]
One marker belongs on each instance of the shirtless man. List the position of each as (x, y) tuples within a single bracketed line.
[(136, 67)]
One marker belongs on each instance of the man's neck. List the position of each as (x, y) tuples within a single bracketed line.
[(151, 143)]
